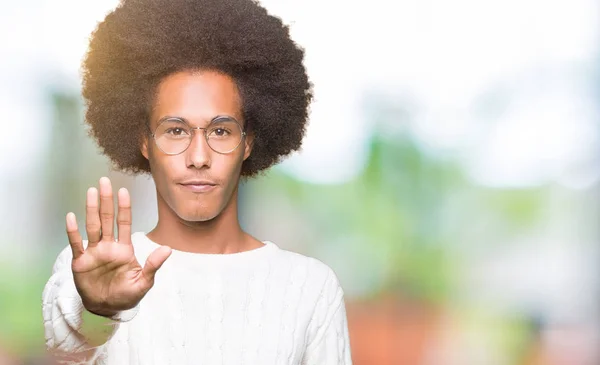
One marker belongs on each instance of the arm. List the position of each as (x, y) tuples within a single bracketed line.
[(330, 342), (101, 275)]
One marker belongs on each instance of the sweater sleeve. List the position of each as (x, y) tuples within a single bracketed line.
[(329, 342), (72, 332)]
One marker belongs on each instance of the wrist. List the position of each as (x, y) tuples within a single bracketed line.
[(102, 313), (116, 316)]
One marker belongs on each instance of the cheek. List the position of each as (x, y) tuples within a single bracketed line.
[(156, 167), (162, 169), (227, 166)]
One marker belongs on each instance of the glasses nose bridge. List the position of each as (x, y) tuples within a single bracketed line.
[(193, 134), (193, 129)]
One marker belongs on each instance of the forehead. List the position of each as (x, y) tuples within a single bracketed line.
[(197, 97)]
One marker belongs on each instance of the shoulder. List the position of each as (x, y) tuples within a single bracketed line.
[(319, 277), (322, 296)]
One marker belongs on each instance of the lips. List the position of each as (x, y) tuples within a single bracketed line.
[(198, 186)]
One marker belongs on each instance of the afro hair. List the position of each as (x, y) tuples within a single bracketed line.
[(142, 41)]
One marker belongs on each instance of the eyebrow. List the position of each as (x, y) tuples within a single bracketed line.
[(163, 118), (185, 120)]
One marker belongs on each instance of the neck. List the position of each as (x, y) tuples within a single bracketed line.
[(220, 235)]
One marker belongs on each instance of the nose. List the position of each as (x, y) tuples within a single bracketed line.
[(198, 153)]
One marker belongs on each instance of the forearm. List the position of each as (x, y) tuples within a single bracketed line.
[(68, 326)]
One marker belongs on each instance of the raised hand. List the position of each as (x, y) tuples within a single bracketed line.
[(107, 274)]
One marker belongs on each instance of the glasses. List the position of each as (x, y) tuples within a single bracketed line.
[(173, 135)]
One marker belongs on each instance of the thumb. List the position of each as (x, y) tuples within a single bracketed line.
[(156, 259)]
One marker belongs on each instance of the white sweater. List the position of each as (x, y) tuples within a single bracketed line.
[(265, 306)]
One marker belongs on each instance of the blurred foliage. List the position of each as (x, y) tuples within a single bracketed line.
[(392, 207), (409, 213), (21, 326), (70, 167)]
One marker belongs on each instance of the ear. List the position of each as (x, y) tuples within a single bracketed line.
[(144, 146), (248, 144)]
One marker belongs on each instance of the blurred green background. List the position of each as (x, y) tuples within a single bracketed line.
[(450, 174)]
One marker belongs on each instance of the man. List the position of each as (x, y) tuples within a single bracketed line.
[(199, 94)]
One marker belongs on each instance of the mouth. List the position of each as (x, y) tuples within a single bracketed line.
[(198, 186)]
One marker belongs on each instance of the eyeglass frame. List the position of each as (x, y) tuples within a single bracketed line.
[(192, 129)]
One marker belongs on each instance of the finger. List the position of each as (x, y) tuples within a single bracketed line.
[(74, 237), (124, 216), (156, 259), (92, 219), (107, 209)]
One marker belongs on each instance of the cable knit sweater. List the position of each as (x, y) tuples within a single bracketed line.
[(259, 307)]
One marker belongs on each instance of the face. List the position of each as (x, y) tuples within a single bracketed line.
[(199, 183)]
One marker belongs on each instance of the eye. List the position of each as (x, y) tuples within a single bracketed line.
[(221, 132), (176, 131)]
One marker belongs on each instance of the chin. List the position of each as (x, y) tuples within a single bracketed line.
[(197, 214)]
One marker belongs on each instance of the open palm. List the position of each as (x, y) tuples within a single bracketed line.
[(107, 274)]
